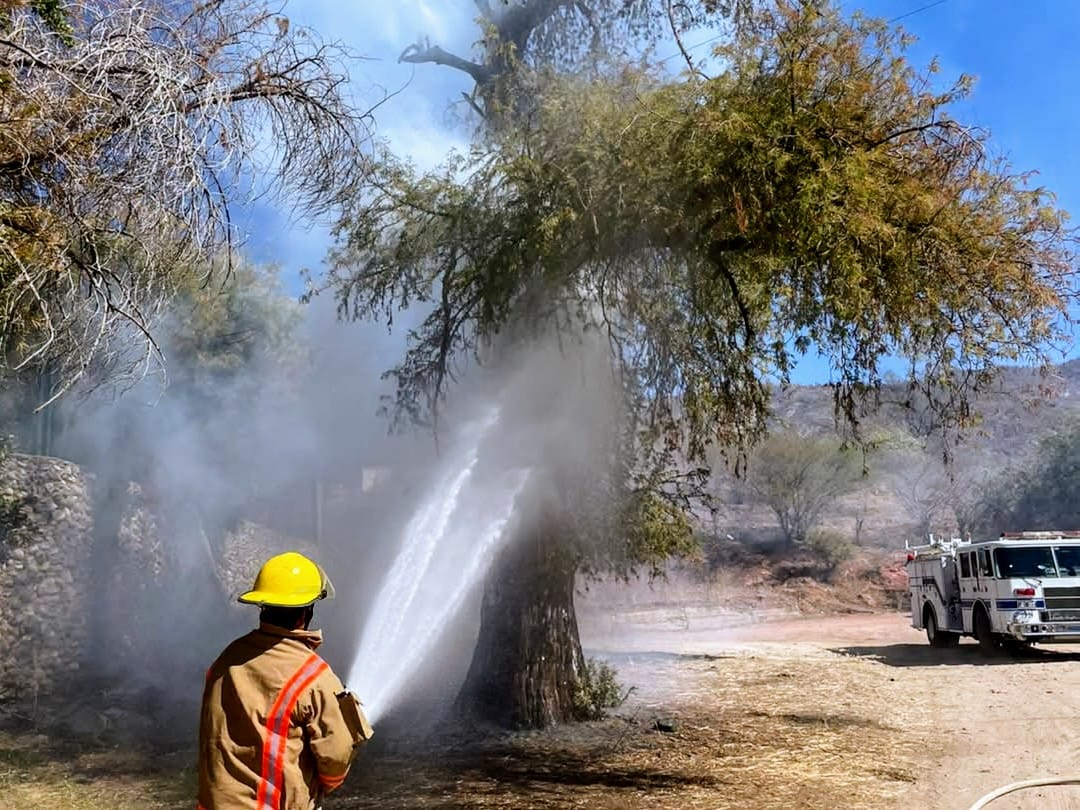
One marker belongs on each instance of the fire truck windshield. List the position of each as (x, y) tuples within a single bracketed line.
[(1068, 560), (1025, 561)]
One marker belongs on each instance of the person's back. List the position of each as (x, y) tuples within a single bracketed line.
[(277, 728)]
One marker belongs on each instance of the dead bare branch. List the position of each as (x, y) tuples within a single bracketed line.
[(424, 52), (123, 153)]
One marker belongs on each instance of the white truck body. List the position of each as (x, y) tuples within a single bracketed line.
[(1019, 589)]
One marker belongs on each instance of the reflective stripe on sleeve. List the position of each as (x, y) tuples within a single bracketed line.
[(332, 782), (277, 732)]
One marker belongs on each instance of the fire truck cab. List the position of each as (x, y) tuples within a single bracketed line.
[(1019, 589)]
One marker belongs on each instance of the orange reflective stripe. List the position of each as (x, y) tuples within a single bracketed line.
[(277, 732), (332, 782)]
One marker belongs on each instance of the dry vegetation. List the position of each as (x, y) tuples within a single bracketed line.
[(760, 729), (762, 726), (752, 730), (38, 773)]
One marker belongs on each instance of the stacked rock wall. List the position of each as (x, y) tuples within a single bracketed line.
[(46, 540), (91, 584), (133, 564)]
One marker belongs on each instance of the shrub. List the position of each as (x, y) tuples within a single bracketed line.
[(831, 548), (598, 690)]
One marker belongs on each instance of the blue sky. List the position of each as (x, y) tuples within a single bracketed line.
[(1022, 54)]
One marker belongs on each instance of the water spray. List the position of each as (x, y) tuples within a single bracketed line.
[(446, 549)]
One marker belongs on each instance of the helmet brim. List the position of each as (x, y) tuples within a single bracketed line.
[(265, 599)]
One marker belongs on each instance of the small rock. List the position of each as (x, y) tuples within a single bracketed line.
[(667, 725)]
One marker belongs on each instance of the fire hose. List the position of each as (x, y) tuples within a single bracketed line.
[(1028, 783)]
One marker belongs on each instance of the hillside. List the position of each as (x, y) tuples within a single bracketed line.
[(1021, 409)]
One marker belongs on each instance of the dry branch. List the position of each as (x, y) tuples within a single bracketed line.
[(124, 151)]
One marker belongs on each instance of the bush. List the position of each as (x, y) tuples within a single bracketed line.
[(831, 548), (598, 690)]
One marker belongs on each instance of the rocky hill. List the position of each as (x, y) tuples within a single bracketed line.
[(1022, 408)]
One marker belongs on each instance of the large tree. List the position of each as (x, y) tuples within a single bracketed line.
[(129, 131), (816, 192)]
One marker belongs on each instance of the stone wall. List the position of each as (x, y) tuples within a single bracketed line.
[(245, 548), (92, 584), (132, 565), (46, 539)]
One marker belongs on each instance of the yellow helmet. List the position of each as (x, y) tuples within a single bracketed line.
[(289, 580)]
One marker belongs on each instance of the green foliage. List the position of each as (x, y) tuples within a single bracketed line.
[(597, 690), (831, 548), (815, 193), (655, 529), (798, 477), (1045, 495), (224, 329), (56, 18)]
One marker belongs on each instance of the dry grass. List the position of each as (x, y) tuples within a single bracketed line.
[(757, 730), (39, 773)]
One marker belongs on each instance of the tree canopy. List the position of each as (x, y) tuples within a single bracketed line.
[(816, 192), (130, 131), (799, 477)]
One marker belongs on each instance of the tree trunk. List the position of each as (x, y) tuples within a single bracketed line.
[(528, 659)]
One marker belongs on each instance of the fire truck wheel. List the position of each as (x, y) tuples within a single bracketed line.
[(937, 637), (988, 642)]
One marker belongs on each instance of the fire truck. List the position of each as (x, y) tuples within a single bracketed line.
[(1008, 593)]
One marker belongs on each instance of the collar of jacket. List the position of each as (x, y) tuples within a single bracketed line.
[(312, 638)]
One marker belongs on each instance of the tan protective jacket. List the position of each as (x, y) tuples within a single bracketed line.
[(272, 735)]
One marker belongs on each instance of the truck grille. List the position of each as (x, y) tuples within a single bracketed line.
[(1062, 604)]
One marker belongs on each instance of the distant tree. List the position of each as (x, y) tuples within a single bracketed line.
[(128, 132), (228, 337), (1043, 495), (925, 494), (799, 478)]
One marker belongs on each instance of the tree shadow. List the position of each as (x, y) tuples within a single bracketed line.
[(923, 655), (570, 769), (527, 777), (57, 757), (618, 657)]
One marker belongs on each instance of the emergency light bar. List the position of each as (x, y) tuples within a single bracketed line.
[(1071, 534)]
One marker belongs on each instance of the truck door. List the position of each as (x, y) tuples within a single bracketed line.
[(985, 588), (967, 588)]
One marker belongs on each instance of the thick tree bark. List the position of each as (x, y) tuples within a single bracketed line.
[(528, 659)]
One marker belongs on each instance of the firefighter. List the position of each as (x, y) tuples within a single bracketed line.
[(277, 729)]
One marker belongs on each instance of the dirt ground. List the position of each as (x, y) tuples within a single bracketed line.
[(962, 724), (852, 711)]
